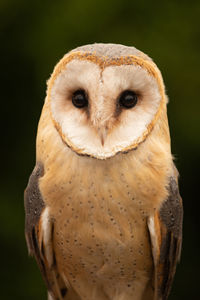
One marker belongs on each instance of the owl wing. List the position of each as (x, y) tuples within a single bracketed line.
[(39, 235), (165, 229)]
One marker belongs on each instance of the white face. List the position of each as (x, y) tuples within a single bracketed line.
[(103, 126)]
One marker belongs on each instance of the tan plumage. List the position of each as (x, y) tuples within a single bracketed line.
[(103, 212)]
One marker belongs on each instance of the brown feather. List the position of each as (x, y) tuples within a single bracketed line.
[(168, 232), (34, 207)]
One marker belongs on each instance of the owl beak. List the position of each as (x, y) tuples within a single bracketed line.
[(103, 134)]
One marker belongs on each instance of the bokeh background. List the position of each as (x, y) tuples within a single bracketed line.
[(34, 35)]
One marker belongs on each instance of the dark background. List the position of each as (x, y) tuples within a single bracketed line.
[(34, 35)]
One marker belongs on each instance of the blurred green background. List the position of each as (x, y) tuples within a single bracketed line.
[(34, 36)]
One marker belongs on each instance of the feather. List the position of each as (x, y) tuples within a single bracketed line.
[(165, 229)]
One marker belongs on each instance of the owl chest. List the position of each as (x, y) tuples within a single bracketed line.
[(101, 232)]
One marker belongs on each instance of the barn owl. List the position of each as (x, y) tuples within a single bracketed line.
[(103, 210)]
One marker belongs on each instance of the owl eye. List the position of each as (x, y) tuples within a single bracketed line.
[(128, 99), (79, 99)]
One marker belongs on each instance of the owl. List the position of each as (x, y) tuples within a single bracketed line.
[(103, 210)]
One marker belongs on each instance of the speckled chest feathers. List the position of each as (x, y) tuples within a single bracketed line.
[(102, 204)]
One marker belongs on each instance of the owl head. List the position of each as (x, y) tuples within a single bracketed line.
[(105, 99)]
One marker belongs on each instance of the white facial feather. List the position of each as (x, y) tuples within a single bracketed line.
[(81, 130)]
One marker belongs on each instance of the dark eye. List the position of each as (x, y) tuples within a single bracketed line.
[(79, 99), (128, 99)]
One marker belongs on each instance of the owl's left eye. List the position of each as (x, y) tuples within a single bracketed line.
[(79, 99), (128, 99)]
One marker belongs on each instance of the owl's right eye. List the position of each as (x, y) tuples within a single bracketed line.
[(79, 99)]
